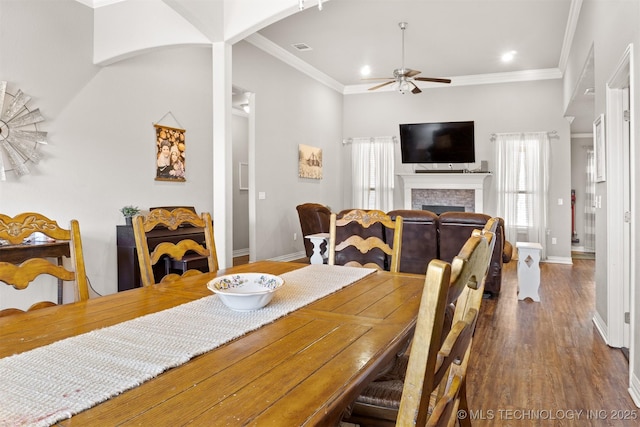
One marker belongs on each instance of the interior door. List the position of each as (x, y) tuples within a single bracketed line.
[(619, 193), (626, 184)]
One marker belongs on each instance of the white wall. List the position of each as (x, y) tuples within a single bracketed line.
[(290, 109), (510, 107), (240, 132)]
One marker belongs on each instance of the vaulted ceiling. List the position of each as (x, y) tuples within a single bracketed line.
[(463, 40)]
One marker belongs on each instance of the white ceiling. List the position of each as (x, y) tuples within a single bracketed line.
[(444, 38)]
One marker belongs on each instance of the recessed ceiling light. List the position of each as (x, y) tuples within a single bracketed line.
[(365, 70), (508, 56)]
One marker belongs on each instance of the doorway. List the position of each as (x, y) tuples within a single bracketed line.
[(241, 135), (620, 188)]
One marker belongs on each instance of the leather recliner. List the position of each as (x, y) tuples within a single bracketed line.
[(419, 239), (314, 218), (456, 227)]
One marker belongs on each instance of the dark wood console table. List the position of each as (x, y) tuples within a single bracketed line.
[(16, 254)]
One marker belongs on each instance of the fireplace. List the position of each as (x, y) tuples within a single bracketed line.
[(444, 189)]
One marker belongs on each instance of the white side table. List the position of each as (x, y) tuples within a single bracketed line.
[(317, 239), (528, 270)]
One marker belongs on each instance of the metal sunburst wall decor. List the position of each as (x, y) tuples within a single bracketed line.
[(19, 135)]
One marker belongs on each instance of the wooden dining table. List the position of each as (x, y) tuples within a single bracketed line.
[(304, 368)]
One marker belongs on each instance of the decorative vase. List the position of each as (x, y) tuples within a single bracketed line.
[(128, 220)]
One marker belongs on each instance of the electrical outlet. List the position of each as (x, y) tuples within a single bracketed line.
[(554, 241), (560, 202), (295, 236)]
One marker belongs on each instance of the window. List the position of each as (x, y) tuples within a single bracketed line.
[(372, 182), (522, 184), (372, 161), (522, 193)]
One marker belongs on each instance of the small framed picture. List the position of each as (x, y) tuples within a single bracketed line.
[(309, 162), (599, 144), (243, 176), (170, 154)]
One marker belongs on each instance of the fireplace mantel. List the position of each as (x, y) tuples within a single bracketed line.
[(445, 181)]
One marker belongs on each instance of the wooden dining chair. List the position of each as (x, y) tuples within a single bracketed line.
[(352, 239), (15, 230), (418, 379), (455, 393), (172, 219)]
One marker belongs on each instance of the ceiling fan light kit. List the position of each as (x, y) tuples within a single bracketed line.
[(404, 79)]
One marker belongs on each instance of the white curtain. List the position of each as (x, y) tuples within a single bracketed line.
[(522, 165), (372, 161)]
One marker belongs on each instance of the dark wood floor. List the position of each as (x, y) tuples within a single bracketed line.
[(239, 260), (540, 364)]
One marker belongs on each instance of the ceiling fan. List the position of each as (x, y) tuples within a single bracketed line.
[(404, 78)]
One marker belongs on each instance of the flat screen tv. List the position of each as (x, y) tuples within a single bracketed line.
[(444, 142)]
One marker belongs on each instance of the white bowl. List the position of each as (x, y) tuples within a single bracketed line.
[(246, 291)]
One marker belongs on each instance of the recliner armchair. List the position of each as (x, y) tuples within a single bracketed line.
[(314, 218), (419, 239), (456, 227)]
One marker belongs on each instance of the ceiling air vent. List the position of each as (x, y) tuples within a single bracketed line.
[(302, 47)]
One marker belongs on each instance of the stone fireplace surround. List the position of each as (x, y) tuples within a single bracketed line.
[(448, 189)]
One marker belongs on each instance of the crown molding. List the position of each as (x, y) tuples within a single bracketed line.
[(473, 80), (570, 30), (582, 135), (273, 49)]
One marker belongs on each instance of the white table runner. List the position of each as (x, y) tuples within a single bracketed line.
[(51, 383)]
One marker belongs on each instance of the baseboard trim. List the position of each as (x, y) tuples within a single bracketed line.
[(634, 390), (558, 260), (601, 326), (241, 252), (289, 257)]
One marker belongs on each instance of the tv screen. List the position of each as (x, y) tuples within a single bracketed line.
[(444, 142)]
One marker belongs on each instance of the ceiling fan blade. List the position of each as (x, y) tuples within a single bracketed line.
[(432, 79), (377, 78), (416, 90), (411, 73), (382, 85)]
